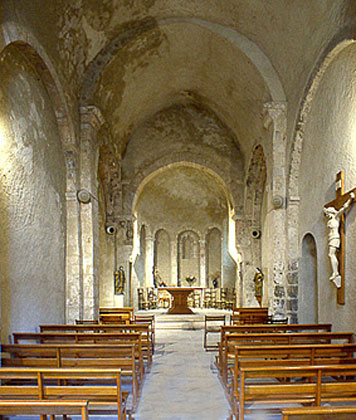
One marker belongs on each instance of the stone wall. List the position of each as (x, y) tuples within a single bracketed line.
[(32, 207), (328, 147)]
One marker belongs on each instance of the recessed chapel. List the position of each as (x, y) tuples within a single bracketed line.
[(204, 144)]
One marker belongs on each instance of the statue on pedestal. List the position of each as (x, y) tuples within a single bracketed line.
[(258, 280), (119, 281)]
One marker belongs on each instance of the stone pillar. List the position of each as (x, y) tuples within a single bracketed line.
[(277, 115), (150, 261), (73, 271), (202, 261), (91, 121), (73, 247), (174, 262)]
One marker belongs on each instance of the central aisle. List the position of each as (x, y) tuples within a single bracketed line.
[(182, 384)]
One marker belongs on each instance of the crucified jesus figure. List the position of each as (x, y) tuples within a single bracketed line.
[(333, 224)]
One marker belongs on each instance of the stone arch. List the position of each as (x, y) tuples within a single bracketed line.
[(338, 43), (31, 48), (180, 159), (308, 284), (132, 30), (162, 256)]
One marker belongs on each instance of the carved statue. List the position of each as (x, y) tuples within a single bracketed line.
[(258, 280), (119, 281), (333, 224)]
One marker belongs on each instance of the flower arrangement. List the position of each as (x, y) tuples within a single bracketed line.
[(190, 279)]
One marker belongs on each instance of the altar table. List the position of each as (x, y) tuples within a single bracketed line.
[(180, 295)]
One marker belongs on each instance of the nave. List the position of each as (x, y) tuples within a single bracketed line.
[(218, 365), (183, 382)]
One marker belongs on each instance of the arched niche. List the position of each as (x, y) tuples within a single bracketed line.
[(308, 290), (213, 257), (188, 258), (162, 257)]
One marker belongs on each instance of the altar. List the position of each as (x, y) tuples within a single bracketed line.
[(179, 301)]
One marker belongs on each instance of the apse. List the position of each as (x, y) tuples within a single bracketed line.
[(185, 211)]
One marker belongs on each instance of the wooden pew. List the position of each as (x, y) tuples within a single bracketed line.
[(147, 333), (231, 340), (312, 385), (319, 413), (43, 408), (85, 337), (290, 355), (128, 312), (67, 384), (255, 315), (125, 357), (114, 319), (275, 328)]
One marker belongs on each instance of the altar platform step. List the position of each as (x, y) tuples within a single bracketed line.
[(164, 321)]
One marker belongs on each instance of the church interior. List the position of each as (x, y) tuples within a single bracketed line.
[(156, 147)]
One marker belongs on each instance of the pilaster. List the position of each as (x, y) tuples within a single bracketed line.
[(276, 114), (91, 121)]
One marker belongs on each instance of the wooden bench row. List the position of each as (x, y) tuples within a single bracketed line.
[(145, 329), (226, 351), (86, 337), (66, 384), (44, 408), (123, 356), (314, 385)]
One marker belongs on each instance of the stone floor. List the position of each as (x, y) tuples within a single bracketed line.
[(182, 384)]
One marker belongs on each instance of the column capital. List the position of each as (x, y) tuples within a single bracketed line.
[(91, 116), (273, 111)]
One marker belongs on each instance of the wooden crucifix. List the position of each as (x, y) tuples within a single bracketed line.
[(335, 212)]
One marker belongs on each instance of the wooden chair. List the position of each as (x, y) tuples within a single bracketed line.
[(212, 324)]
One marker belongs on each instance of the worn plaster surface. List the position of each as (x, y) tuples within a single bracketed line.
[(330, 135), (32, 208)]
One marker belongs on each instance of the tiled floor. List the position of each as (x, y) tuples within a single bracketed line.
[(182, 384)]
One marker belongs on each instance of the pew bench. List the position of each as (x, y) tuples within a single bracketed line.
[(87, 356), (226, 351), (319, 413), (144, 329), (292, 355), (67, 384), (272, 387), (85, 337), (263, 328), (44, 408)]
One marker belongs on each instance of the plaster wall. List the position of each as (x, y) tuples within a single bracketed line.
[(32, 203), (330, 146)]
